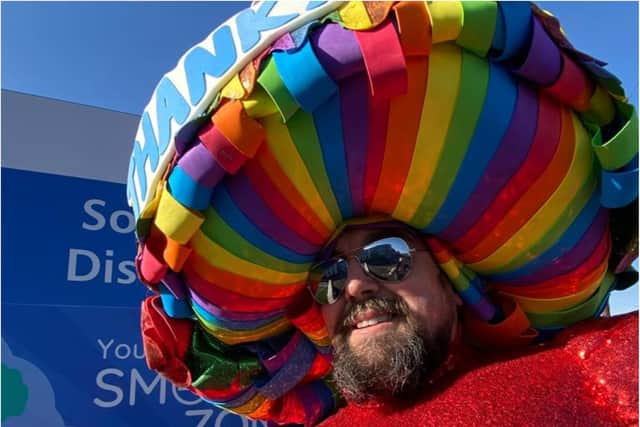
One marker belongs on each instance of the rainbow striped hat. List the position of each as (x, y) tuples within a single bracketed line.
[(476, 123)]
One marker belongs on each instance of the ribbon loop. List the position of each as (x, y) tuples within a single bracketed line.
[(174, 307), (601, 110), (187, 191), (227, 155), (623, 146), (272, 83), (478, 26), (514, 26), (543, 62), (572, 87), (245, 133), (446, 20), (311, 88), (386, 68), (414, 27), (620, 188), (175, 220)]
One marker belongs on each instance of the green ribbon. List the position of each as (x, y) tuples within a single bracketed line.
[(584, 310), (623, 147), (303, 133), (215, 365), (270, 80), (479, 24)]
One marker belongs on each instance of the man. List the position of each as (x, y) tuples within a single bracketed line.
[(402, 357), (442, 176)]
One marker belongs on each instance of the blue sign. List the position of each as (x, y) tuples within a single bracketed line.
[(72, 353), (84, 366), (67, 241)]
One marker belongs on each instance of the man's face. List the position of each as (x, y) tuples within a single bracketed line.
[(388, 337)]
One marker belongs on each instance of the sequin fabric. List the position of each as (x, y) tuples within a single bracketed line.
[(586, 376)]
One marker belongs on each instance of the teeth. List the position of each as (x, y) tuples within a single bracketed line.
[(371, 322)]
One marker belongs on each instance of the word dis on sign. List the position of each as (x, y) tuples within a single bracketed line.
[(85, 265)]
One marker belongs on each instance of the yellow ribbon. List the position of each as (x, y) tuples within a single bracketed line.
[(446, 20), (445, 64), (175, 220), (354, 16)]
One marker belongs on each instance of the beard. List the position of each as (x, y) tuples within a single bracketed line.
[(389, 364)]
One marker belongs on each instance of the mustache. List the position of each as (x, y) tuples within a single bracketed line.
[(391, 306)]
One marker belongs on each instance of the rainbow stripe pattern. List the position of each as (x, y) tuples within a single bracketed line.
[(477, 123)]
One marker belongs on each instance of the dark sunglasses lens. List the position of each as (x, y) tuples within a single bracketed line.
[(387, 259), (328, 280)]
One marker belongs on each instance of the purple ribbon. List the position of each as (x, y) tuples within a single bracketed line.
[(292, 372), (544, 62), (175, 284), (276, 361), (201, 166), (338, 51)]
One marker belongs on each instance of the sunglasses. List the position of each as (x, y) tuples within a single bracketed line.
[(387, 260)]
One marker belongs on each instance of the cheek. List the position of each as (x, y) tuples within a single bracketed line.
[(419, 305), (427, 306)]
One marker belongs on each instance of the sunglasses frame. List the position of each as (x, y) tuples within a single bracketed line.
[(356, 254)]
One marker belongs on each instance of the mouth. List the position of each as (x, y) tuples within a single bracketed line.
[(369, 319), (362, 324), (374, 316)]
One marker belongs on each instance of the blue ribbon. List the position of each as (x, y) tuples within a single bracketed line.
[(620, 188)]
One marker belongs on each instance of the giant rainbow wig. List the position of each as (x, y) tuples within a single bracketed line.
[(476, 123)]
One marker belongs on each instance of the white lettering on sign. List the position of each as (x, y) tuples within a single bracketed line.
[(103, 385), (137, 380), (84, 265), (120, 221), (121, 351), (115, 387)]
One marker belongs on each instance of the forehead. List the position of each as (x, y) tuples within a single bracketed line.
[(353, 239)]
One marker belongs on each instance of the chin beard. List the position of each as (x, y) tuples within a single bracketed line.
[(394, 364)]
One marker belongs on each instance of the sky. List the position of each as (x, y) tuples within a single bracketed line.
[(112, 54)]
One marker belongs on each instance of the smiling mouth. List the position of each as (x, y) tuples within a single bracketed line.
[(373, 321)]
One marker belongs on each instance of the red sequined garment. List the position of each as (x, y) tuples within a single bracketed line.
[(586, 376)]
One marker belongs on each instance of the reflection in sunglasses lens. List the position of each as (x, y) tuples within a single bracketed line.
[(388, 260), (332, 281)]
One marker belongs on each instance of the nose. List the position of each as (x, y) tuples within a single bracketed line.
[(359, 285)]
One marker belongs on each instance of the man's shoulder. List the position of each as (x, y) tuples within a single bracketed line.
[(590, 333)]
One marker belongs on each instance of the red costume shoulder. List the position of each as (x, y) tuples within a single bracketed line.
[(586, 376)]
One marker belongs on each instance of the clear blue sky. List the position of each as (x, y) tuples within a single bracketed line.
[(111, 55)]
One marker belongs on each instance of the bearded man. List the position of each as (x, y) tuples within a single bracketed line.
[(389, 213), (402, 357)]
